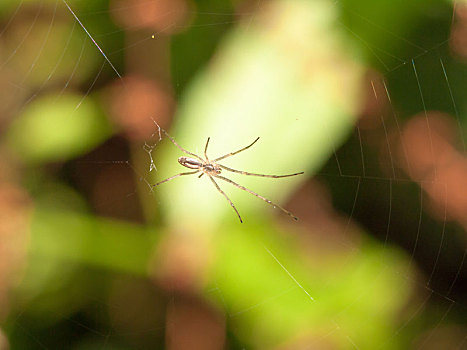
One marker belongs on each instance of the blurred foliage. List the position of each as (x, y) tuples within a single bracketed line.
[(292, 73), (74, 125), (300, 93), (268, 305)]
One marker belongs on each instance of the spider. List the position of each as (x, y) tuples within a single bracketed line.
[(212, 169)]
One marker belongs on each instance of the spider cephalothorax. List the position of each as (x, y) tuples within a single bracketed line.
[(212, 169)]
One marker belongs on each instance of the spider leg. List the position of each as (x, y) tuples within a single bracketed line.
[(206, 149), (253, 174), (174, 177), (236, 152), (257, 195), (228, 199), (180, 147)]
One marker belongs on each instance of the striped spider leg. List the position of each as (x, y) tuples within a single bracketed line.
[(213, 170)]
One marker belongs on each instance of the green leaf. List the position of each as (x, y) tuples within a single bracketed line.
[(287, 78), (56, 128)]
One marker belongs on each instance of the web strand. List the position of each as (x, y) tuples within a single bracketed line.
[(90, 36)]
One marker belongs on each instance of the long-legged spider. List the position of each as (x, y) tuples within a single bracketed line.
[(212, 169)]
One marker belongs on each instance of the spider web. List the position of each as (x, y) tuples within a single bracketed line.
[(406, 191)]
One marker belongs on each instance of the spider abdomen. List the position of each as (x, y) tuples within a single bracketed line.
[(190, 163)]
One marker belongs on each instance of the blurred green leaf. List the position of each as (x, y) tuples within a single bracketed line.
[(273, 291), (115, 245), (56, 128), (287, 78)]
